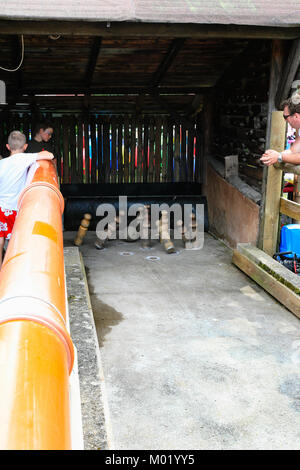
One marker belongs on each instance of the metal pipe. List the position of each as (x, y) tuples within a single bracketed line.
[(36, 351)]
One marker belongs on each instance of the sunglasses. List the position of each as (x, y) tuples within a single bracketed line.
[(285, 116)]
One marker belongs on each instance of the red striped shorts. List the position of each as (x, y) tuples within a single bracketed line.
[(7, 220)]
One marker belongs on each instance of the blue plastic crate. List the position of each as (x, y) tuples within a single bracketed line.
[(290, 239)]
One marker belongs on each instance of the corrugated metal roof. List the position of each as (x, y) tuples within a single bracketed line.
[(238, 12)]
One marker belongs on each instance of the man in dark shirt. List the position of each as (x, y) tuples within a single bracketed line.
[(41, 140)]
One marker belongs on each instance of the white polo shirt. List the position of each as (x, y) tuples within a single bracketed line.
[(13, 174)]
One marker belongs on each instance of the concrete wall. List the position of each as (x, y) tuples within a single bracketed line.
[(232, 216)]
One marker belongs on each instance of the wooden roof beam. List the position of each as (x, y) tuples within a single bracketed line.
[(174, 48), (108, 91), (130, 29), (95, 50)]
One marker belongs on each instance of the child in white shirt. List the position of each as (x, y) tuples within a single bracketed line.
[(13, 173)]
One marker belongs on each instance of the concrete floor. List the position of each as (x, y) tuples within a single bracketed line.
[(194, 354)]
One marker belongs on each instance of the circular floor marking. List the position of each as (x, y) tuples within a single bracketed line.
[(126, 253), (153, 258)]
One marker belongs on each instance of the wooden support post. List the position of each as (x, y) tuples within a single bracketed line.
[(277, 60), (273, 186)]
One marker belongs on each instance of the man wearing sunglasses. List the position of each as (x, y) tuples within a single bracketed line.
[(291, 114)]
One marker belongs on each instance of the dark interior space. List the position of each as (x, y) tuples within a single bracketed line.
[(144, 98)]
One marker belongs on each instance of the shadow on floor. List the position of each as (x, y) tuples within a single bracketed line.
[(105, 316)]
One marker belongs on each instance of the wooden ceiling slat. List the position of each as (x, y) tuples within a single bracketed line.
[(67, 58), (111, 65)]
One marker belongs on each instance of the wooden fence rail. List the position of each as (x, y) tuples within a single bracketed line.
[(119, 149)]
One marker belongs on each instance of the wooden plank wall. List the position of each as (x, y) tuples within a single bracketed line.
[(119, 149)]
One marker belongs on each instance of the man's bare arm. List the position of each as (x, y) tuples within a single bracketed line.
[(291, 155)]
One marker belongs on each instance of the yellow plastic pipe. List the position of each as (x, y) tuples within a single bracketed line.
[(36, 351)]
